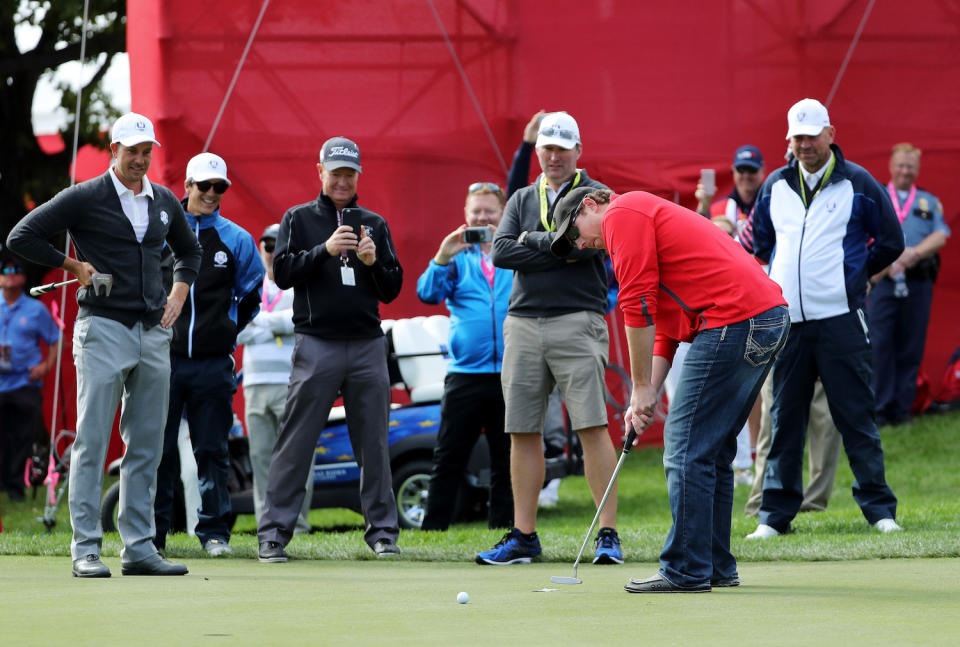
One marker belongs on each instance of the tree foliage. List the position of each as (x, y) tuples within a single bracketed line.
[(26, 171)]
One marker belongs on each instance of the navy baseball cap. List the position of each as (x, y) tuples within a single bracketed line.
[(748, 156)]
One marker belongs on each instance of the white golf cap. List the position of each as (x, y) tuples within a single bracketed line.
[(558, 129), (807, 117), (207, 166), (132, 129)]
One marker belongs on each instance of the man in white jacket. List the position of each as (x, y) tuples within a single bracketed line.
[(267, 352)]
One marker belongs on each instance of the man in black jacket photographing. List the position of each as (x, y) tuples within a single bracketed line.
[(338, 280)]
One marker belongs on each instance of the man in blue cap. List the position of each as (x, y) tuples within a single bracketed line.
[(730, 213)]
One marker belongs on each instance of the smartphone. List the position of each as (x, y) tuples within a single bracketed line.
[(351, 217), (708, 178), (476, 235)]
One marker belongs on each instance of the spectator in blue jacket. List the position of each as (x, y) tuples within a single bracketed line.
[(225, 297), (477, 295)]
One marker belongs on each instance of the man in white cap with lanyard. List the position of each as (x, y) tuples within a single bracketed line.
[(819, 212), (554, 334)]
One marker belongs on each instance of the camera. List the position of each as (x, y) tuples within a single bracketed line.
[(477, 235)]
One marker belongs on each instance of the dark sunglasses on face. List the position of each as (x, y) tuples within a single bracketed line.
[(572, 232), (269, 246), (13, 269), (480, 186), (747, 170), (218, 187)]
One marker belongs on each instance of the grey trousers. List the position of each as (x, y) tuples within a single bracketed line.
[(823, 444), (322, 370), (264, 404), (117, 363)]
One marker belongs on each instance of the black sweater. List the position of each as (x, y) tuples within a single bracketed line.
[(322, 305), (104, 237)]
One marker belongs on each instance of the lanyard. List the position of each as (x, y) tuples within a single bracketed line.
[(823, 182), (545, 206), (904, 211), (269, 305)]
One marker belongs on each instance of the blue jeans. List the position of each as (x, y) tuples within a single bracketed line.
[(719, 382)]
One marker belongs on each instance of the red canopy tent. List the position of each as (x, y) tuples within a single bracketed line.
[(436, 93)]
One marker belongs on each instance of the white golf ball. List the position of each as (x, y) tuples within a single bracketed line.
[(463, 597)]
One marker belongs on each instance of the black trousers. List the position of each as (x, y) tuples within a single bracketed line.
[(19, 410), (472, 403)]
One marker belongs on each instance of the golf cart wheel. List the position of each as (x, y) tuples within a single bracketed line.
[(108, 508), (410, 484)]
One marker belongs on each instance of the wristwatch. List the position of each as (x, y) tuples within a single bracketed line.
[(522, 238)]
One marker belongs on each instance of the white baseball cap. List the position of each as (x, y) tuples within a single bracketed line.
[(558, 129), (807, 117), (207, 166), (132, 129)]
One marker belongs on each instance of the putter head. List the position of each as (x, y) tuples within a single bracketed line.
[(556, 579), (101, 280)]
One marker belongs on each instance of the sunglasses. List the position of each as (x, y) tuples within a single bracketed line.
[(484, 186), (556, 131), (218, 187), (573, 233), (748, 170), (269, 246), (13, 269)]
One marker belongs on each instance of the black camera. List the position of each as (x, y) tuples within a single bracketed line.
[(477, 235)]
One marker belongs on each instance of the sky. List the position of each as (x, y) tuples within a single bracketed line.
[(48, 117)]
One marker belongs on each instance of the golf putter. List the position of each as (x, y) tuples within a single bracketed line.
[(627, 445), (96, 281)]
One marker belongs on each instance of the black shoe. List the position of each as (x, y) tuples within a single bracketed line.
[(272, 552), (725, 582), (659, 584), (153, 565), (90, 566), (386, 548)]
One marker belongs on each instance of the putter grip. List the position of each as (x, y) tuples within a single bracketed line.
[(42, 289), (628, 443)]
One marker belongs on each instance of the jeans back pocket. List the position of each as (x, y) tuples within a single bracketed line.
[(766, 336)]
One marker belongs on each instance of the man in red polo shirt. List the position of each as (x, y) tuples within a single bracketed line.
[(683, 279)]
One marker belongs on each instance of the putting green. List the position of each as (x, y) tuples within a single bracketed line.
[(240, 602)]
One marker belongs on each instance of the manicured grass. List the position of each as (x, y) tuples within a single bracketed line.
[(243, 602), (921, 468)]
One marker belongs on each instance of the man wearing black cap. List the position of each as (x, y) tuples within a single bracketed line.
[(267, 356), (554, 334), (673, 268), (24, 322), (339, 277)]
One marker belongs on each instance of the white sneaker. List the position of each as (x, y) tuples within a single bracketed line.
[(742, 477), (549, 495), (763, 531), (887, 525)]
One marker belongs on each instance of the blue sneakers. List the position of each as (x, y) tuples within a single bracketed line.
[(511, 549), (608, 547)]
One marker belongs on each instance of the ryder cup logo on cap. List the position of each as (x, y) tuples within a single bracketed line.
[(807, 117), (558, 129), (132, 129), (207, 166), (340, 152)]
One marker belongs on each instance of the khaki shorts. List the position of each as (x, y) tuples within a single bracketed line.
[(567, 350)]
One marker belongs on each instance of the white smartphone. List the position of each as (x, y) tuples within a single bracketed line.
[(708, 178)]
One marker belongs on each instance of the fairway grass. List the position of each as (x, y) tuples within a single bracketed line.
[(243, 602)]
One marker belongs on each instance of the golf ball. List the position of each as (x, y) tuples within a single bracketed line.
[(463, 597)]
